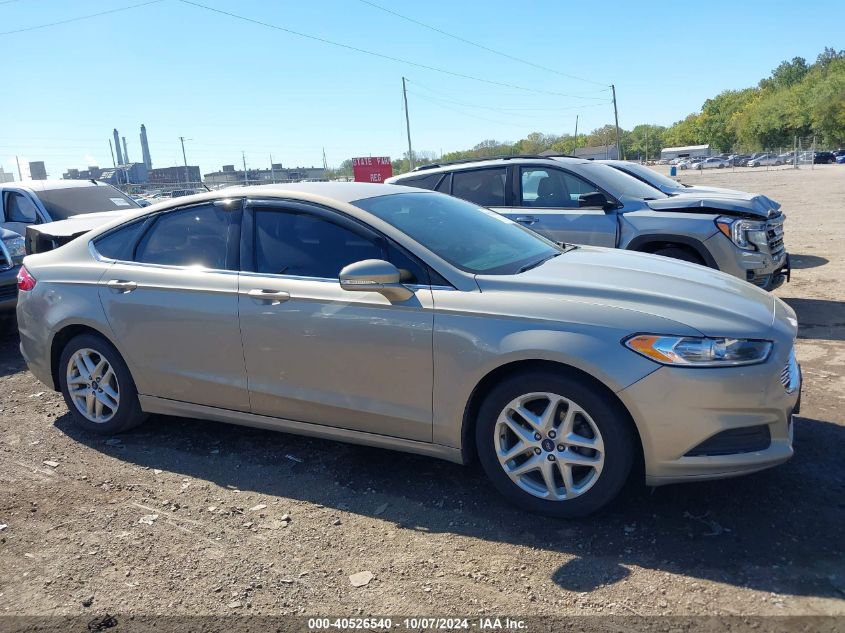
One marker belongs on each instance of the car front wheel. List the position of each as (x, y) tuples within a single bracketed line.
[(553, 444), (97, 386)]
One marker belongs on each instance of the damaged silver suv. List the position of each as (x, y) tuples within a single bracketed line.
[(579, 201)]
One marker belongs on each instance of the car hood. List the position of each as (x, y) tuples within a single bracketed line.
[(751, 205), (706, 300), (78, 224), (722, 192)]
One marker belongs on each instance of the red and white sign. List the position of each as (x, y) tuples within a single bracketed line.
[(372, 169)]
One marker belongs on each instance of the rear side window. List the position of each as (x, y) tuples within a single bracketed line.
[(119, 243), (305, 245), (199, 236), (485, 187)]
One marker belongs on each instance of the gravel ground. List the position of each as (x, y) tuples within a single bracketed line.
[(192, 517)]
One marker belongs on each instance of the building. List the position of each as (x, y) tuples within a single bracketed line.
[(6, 176), (37, 170), (229, 176), (604, 152), (131, 174), (92, 173), (689, 151), (174, 175)]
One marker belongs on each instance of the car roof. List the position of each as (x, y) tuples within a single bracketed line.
[(50, 185), (437, 168)]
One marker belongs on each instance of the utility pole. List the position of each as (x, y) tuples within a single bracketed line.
[(408, 126), (113, 162), (184, 158), (646, 143), (243, 156), (18, 161), (576, 134), (616, 116), (325, 162)]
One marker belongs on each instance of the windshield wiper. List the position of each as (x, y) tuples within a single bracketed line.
[(537, 263)]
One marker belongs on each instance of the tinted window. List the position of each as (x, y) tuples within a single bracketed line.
[(19, 208), (618, 183), (483, 186), (467, 236), (445, 185), (288, 243), (197, 236), (552, 188), (119, 243), (67, 201), (423, 182)]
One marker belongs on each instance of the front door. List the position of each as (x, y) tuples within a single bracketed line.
[(547, 201), (18, 211), (173, 308), (319, 354)]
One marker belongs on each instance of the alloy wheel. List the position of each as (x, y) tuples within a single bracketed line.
[(549, 446), (93, 386)]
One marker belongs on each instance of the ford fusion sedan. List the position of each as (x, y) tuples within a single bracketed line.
[(416, 321)]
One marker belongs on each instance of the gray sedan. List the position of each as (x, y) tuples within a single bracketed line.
[(407, 319)]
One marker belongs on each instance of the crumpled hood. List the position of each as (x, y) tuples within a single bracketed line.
[(711, 302), (755, 205), (702, 190)]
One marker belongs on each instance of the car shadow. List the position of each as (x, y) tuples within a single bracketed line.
[(797, 261), (819, 318), (11, 361), (776, 531)]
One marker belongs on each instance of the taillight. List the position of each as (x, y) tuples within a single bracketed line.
[(26, 281)]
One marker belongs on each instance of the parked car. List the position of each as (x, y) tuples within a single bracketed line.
[(824, 158), (765, 160), (585, 202), (11, 256), (840, 160), (672, 187), (558, 368), (38, 201), (713, 162), (738, 160)]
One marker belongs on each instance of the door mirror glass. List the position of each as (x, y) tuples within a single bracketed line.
[(374, 275), (593, 199)]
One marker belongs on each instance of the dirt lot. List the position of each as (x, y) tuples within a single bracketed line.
[(192, 517)]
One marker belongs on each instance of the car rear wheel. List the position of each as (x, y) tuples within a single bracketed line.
[(554, 445), (97, 386)]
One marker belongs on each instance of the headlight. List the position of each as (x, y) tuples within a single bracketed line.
[(744, 233), (692, 351), (16, 247)]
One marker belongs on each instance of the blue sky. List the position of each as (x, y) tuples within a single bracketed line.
[(233, 86)]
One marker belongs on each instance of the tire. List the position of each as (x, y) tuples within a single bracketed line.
[(116, 415), (679, 253), (590, 488)]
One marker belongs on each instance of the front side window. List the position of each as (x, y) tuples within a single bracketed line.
[(485, 187), (19, 208), (467, 236), (304, 245), (552, 188), (199, 236)]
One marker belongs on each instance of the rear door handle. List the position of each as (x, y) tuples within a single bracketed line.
[(122, 285), (272, 296), (527, 219)]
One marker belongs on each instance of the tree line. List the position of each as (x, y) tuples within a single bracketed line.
[(796, 99)]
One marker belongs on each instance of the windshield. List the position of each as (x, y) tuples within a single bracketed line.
[(67, 201), (469, 237), (618, 183), (647, 174)]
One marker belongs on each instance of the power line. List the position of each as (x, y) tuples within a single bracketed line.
[(481, 46), (519, 108), (81, 17), (380, 55)]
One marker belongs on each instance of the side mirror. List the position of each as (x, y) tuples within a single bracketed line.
[(593, 199), (375, 275)]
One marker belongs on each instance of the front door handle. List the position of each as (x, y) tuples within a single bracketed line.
[(272, 296), (527, 219), (122, 285)]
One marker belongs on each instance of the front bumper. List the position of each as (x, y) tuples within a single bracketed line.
[(677, 410), (756, 267), (8, 291)]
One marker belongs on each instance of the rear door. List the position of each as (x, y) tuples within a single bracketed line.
[(546, 199), (172, 303)]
